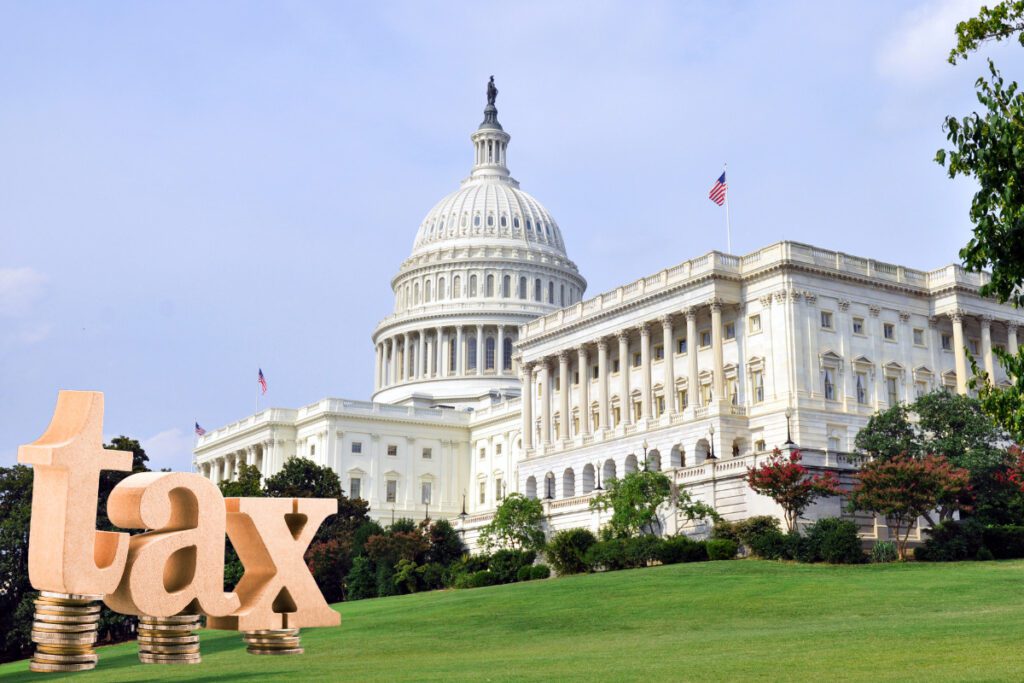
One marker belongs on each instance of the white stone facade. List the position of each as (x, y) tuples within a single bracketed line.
[(494, 375)]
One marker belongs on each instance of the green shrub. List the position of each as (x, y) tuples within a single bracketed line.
[(721, 549), (835, 541), (770, 544), (951, 542), (361, 580), (1005, 541), (751, 527), (524, 572), (984, 555), (726, 529), (884, 551), (606, 555), (432, 576), (476, 580), (676, 549), (798, 547), (567, 549), (505, 564), (540, 571), (641, 550)]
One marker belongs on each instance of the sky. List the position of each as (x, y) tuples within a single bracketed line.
[(190, 190)]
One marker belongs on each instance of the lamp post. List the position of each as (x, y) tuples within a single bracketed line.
[(598, 487), (426, 511), (644, 444), (711, 456), (392, 515), (549, 485), (789, 415), (462, 517)]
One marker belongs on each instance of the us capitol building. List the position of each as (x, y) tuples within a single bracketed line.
[(494, 373)]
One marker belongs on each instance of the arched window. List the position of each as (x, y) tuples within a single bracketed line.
[(490, 221), (471, 364), (457, 287), (463, 220), (561, 295), (489, 357), (504, 221), (522, 288), (453, 357), (506, 286), (515, 222), (529, 225), (476, 221), (549, 485), (551, 292), (490, 286), (441, 294), (472, 286), (536, 290), (426, 291), (416, 293), (506, 354)]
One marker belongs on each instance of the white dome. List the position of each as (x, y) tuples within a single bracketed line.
[(488, 210)]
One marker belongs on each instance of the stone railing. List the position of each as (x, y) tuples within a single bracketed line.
[(264, 417), (575, 501)]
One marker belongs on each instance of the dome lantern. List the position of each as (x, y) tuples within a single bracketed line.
[(490, 141)]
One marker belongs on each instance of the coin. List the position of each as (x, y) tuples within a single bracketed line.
[(169, 659), (290, 651), (49, 666), (65, 658), (88, 637), (81, 597), (43, 606), (180, 640), (176, 619)]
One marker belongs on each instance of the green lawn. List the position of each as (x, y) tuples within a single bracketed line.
[(741, 620)]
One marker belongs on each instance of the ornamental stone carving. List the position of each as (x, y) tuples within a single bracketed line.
[(875, 311), (844, 304)]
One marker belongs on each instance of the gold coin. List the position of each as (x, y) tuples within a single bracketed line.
[(274, 632), (289, 651), (169, 659), (182, 640), (58, 638), (51, 666), (64, 648), (65, 658), (80, 597), (170, 649), (66, 609), (62, 628), (176, 619), (274, 642), (165, 627), (61, 619)]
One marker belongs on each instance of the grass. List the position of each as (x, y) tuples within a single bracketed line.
[(741, 620)]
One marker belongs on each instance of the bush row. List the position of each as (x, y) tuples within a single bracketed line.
[(969, 539), (575, 551), (504, 566), (831, 540)]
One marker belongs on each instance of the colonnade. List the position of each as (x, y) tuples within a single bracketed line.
[(539, 374), (957, 317), (428, 353), (226, 467)]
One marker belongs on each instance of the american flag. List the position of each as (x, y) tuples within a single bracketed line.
[(199, 430), (717, 194), (263, 381)]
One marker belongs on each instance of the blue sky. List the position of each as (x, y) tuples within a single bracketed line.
[(191, 190)]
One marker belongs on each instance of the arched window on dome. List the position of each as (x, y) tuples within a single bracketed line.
[(551, 292), (456, 287), (561, 295), (441, 294), (489, 292), (536, 290), (471, 361), (490, 220), (515, 222), (416, 293), (426, 291), (472, 286), (506, 353), (463, 220), (522, 287), (489, 354), (506, 286), (476, 220), (407, 301), (453, 357), (504, 221), (440, 228)]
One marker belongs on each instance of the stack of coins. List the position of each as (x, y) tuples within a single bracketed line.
[(283, 641), (169, 640), (64, 632)]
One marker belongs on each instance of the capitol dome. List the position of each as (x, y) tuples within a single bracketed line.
[(486, 259)]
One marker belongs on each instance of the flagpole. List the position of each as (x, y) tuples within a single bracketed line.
[(728, 225), (257, 396)]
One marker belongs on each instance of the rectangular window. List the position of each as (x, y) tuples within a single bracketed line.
[(636, 360), (683, 399), (392, 490), (947, 342), (595, 419), (730, 330), (681, 346), (483, 453), (918, 337), (617, 415), (734, 392), (357, 446), (483, 492), (858, 326), (920, 389), (862, 388), (705, 339), (660, 405), (428, 453), (355, 487), (889, 331), (558, 383), (497, 449), (972, 344), (754, 323), (615, 365), (830, 386), (392, 449), (659, 353), (758, 381), (890, 385), (638, 411), (498, 493), (595, 372), (826, 320), (575, 378), (425, 493)]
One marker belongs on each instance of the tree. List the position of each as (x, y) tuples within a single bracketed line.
[(791, 485), (16, 595), (516, 525), (989, 147), (888, 433), (446, 546), (904, 488), (634, 501), (248, 483)]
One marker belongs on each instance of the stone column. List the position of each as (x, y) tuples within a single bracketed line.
[(480, 349), (421, 348), (645, 370), (716, 344), (407, 356), (986, 348), (563, 394), (443, 343), (957, 317), (693, 382), (499, 352), (625, 402), (431, 360), (394, 361), (669, 379), (1011, 338), (527, 401), (376, 367), (460, 353), (583, 364), (545, 404), (602, 383)]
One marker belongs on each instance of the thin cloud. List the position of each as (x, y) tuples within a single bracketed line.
[(916, 51), (170, 448), (20, 290)]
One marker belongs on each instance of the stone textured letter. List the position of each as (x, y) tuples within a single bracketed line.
[(277, 590), (180, 564), (65, 552)]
